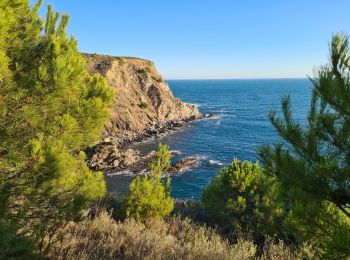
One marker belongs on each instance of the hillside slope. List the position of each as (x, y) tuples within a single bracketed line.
[(143, 103)]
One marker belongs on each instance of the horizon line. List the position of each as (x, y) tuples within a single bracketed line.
[(277, 78)]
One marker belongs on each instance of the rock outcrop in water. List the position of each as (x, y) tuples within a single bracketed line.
[(144, 106), (183, 164)]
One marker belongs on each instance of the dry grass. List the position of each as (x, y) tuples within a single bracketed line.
[(279, 250), (103, 238)]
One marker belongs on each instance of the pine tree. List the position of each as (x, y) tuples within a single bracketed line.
[(149, 197), (242, 198), (51, 109), (314, 168)]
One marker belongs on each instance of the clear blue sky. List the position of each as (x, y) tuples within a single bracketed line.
[(194, 39)]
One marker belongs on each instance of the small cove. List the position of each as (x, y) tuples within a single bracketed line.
[(241, 125)]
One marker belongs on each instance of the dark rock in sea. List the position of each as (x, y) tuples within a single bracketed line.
[(108, 157), (209, 116), (183, 164), (144, 107)]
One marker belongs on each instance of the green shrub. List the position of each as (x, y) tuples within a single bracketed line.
[(241, 197), (120, 60), (322, 224), (144, 104), (142, 71), (157, 79), (149, 197), (13, 245)]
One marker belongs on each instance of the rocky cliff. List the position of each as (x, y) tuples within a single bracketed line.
[(143, 104)]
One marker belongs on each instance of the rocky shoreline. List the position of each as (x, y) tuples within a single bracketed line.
[(144, 108), (157, 130), (115, 157)]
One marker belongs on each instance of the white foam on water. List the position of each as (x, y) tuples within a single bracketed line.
[(215, 162), (118, 173), (176, 152), (127, 173), (143, 172), (186, 169), (200, 157)]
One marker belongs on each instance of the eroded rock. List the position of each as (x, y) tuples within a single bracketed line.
[(144, 107), (144, 104)]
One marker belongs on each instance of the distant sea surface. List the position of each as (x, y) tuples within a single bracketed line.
[(242, 124)]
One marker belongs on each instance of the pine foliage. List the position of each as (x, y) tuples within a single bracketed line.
[(242, 198), (50, 110), (149, 197), (314, 166)]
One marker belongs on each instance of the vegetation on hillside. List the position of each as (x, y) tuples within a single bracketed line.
[(295, 204), (104, 238), (149, 197), (241, 198), (314, 169), (50, 110)]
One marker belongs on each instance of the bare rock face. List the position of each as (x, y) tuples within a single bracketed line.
[(144, 103)]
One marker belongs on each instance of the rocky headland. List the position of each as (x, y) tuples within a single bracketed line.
[(144, 107)]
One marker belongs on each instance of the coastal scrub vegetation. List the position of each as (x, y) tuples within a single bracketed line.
[(292, 205), (149, 197), (313, 170), (176, 238), (50, 110), (241, 198)]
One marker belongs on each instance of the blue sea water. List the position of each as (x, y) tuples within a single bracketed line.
[(242, 124)]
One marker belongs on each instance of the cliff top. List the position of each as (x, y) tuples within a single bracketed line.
[(111, 57), (143, 100), (102, 63)]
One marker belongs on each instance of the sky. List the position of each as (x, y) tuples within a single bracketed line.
[(210, 39)]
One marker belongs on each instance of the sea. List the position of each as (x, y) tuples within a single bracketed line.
[(241, 125)]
